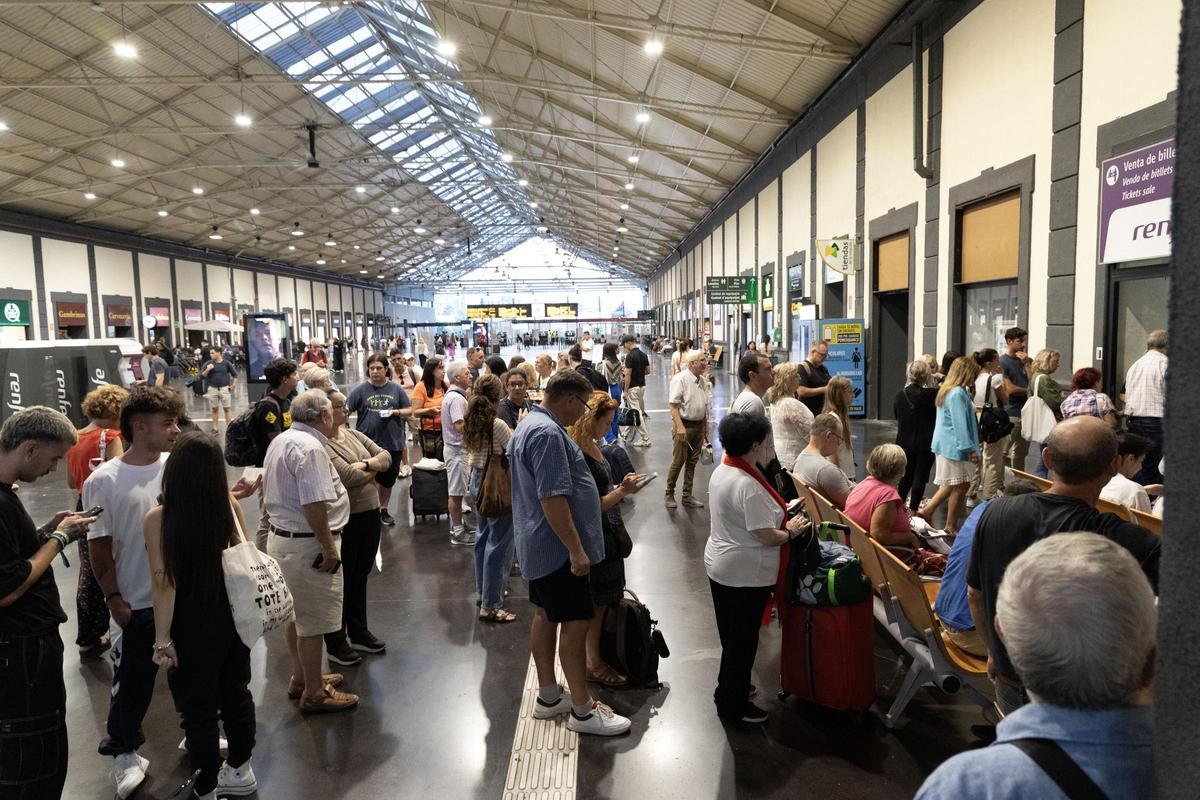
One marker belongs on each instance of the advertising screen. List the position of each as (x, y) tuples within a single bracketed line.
[(266, 337)]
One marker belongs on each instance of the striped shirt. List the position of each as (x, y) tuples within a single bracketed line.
[(546, 463), (298, 472), (1146, 386)]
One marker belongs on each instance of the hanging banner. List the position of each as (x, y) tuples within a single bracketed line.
[(1135, 204), (837, 254), (847, 357)]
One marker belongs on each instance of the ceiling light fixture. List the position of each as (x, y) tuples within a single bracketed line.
[(542, 229), (633, 159), (362, 272), (243, 120), (254, 212), (624, 206), (653, 46), (379, 257), (485, 120), (124, 49), (162, 212), (291, 247), (89, 195), (3, 126), (439, 240), (356, 247), (533, 205), (505, 157), (320, 260), (446, 49), (330, 241), (118, 163), (622, 229), (522, 182), (629, 186), (343, 261), (395, 210), (216, 234), (642, 117), (197, 190), (360, 189), (297, 230)]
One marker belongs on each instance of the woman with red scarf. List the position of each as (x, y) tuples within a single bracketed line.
[(749, 525)]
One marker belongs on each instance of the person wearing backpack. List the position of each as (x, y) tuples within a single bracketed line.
[(989, 394)]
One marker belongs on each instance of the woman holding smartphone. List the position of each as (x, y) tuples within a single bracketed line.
[(195, 634)]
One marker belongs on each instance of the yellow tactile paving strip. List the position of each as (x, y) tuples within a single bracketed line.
[(545, 755)]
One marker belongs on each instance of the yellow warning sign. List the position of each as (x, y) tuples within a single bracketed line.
[(842, 333)]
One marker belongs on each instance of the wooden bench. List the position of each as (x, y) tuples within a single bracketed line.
[(1120, 509), (935, 658), (1042, 483), (1147, 521)]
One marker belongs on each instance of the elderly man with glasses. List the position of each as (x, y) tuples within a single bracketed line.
[(558, 534), (688, 399)]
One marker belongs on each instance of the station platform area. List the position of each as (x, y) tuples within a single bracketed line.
[(440, 711)]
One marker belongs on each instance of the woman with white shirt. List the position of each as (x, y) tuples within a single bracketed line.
[(989, 388), (791, 421), (749, 525)]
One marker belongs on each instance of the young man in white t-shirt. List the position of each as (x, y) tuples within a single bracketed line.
[(127, 487), (586, 345), (1132, 449)]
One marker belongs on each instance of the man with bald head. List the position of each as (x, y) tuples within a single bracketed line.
[(1081, 454)]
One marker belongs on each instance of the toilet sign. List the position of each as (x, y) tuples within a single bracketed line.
[(1135, 204)]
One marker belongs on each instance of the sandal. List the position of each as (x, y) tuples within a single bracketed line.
[(499, 615), (607, 676)]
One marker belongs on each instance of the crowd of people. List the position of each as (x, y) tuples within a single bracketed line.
[(526, 452)]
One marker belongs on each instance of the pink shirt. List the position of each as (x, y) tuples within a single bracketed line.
[(865, 497)]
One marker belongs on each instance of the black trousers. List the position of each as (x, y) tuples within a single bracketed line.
[(33, 710), (211, 683), (1152, 429), (133, 686), (916, 477), (739, 611), (360, 543)]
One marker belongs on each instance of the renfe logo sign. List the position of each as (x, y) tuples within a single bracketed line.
[(1135, 204)]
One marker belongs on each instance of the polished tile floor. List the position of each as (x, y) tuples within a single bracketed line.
[(439, 710)]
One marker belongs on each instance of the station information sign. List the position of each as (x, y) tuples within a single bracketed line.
[(562, 310), (730, 289), (517, 311)]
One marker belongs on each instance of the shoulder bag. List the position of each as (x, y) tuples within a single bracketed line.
[(1060, 768), (495, 489), (1036, 417), (994, 423), (258, 595)]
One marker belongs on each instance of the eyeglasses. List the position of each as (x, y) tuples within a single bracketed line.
[(517, 384), (586, 405)]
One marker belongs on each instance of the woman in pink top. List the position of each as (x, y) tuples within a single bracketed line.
[(875, 506)]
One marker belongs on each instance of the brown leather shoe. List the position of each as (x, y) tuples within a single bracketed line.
[(296, 686), (328, 702)]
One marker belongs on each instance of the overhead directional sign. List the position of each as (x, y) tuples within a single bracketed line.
[(518, 311), (562, 309), (731, 289)]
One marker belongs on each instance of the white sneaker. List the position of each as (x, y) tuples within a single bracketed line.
[(236, 782), (601, 721), (462, 536), (544, 710), (128, 773)]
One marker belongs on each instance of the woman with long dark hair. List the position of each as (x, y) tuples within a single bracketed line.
[(196, 636), (485, 434)]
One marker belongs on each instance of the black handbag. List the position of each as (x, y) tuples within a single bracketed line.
[(994, 423), (432, 445), (780, 479)]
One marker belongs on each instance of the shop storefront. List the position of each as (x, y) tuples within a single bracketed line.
[(193, 314), (118, 318), (16, 321), (71, 319), (160, 309)]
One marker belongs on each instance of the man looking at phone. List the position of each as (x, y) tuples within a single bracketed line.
[(307, 508), (127, 487), (33, 711)]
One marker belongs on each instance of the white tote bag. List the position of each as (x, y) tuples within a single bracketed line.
[(1036, 417), (258, 595)]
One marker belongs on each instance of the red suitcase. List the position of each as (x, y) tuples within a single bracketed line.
[(828, 652)]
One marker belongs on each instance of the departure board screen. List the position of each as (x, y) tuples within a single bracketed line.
[(562, 310)]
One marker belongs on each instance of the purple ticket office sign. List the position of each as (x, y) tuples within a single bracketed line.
[(1135, 204)]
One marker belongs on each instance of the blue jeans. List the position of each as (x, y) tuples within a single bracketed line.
[(1041, 470), (614, 389), (1152, 429), (493, 552)]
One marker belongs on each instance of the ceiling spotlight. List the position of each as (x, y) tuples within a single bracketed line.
[(125, 50), (485, 120), (653, 46), (533, 205), (522, 182), (291, 247), (418, 229), (542, 229), (629, 186), (622, 229), (320, 260), (330, 242), (254, 212), (3, 126), (216, 234), (243, 120), (446, 49), (379, 257), (197, 190), (642, 117), (343, 261), (162, 212), (633, 159), (505, 157), (395, 210), (297, 230), (89, 195), (356, 247), (118, 163), (439, 240), (615, 248), (360, 189), (379, 276), (624, 206), (362, 272)]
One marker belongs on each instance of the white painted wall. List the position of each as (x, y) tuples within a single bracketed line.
[(114, 275), (243, 289), (218, 284), (768, 239), (16, 254), (836, 185), (797, 211), (997, 92), (65, 269), (155, 272), (267, 298), (1112, 88)]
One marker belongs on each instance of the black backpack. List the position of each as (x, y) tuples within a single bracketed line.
[(994, 423), (631, 643), (243, 445)]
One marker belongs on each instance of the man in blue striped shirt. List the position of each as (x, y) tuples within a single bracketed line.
[(556, 520)]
